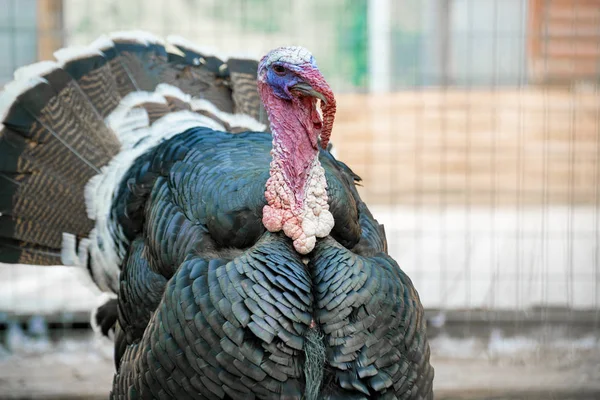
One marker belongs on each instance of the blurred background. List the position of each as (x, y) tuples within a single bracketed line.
[(475, 125)]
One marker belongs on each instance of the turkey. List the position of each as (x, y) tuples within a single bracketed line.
[(201, 193)]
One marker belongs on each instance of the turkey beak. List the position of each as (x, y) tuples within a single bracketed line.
[(305, 89), (313, 84)]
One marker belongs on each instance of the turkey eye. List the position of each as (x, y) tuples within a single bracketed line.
[(279, 70)]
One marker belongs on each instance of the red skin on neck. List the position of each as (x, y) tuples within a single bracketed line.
[(296, 128)]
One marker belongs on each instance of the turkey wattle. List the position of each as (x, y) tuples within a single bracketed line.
[(245, 263)]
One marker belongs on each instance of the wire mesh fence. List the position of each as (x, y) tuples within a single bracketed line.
[(475, 125)]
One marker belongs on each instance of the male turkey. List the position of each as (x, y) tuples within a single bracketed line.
[(245, 263)]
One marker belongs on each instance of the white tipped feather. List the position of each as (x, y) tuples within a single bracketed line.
[(13, 90), (24, 79), (130, 128), (141, 37), (35, 70), (102, 43), (136, 98), (83, 251), (102, 299), (234, 120), (68, 253), (90, 197), (178, 122), (123, 120), (75, 53), (165, 90), (173, 50)]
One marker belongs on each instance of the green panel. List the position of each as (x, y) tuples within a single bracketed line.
[(352, 41)]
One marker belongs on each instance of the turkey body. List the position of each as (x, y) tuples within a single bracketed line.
[(233, 302), (148, 166)]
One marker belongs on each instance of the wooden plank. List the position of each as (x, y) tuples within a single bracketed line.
[(516, 145), (50, 26), (572, 28), (566, 48), (534, 25), (563, 41)]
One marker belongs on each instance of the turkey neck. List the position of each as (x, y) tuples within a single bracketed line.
[(296, 191), (295, 126)]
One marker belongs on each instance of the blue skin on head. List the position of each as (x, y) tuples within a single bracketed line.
[(281, 83)]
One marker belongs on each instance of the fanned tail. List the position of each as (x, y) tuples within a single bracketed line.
[(71, 128)]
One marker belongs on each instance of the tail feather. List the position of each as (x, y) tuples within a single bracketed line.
[(29, 231), (55, 112), (93, 74), (52, 142), (71, 128), (41, 207), (198, 75), (141, 56), (122, 76), (155, 110), (246, 100), (12, 252), (22, 173), (176, 104)]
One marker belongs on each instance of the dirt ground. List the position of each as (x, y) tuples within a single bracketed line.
[(534, 363)]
